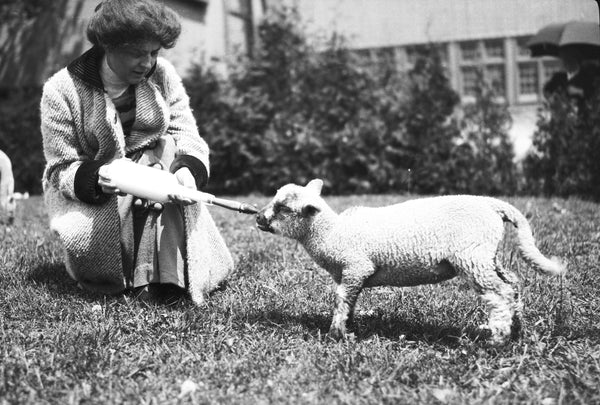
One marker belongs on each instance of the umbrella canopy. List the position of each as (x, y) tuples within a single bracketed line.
[(582, 34)]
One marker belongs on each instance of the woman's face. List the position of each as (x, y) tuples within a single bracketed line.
[(132, 63), (570, 59)]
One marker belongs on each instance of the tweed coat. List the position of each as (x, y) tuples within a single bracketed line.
[(81, 130)]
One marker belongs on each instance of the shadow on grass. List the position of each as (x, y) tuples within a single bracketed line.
[(364, 327), (55, 278)]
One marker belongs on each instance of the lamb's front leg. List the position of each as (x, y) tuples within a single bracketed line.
[(347, 292)]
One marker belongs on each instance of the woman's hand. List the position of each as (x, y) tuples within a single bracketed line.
[(105, 182), (186, 179)]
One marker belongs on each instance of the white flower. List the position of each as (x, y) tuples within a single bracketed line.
[(187, 387)]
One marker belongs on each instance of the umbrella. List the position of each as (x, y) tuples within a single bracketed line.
[(582, 34)]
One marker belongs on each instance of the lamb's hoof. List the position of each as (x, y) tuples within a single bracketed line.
[(492, 338), (336, 335), (222, 286)]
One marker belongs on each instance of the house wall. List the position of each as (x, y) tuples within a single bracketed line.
[(191, 47), (211, 31), (382, 23), (192, 42), (388, 29)]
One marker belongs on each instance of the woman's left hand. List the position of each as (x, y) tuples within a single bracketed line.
[(186, 179)]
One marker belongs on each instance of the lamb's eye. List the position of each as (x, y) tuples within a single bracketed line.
[(280, 208)]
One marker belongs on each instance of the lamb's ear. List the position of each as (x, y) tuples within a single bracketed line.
[(309, 210), (316, 185)]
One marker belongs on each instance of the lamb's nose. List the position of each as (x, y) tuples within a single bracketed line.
[(261, 219)]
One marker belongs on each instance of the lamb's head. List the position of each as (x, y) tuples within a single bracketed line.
[(292, 210)]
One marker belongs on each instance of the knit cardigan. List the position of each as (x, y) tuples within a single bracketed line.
[(81, 131)]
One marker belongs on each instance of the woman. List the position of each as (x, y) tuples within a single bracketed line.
[(120, 100)]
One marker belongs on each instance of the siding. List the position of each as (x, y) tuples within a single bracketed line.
[(381, 23)]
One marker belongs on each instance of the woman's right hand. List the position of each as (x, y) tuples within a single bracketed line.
[(105, 182)]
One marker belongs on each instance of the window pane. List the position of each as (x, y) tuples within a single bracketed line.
[(442, 50), (528, 78), (469, 80), (363, 53), (413, 53), (494, 48), (469, 51), (495, 77), (522, 49)]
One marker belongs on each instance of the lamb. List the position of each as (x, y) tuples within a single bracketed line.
[(7, 185), (421, 241)]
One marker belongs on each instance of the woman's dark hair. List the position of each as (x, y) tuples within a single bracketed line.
[(118, 23)]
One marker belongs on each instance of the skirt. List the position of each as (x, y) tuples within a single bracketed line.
[(153, 235)]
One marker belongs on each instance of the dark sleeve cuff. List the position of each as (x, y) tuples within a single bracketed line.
[(197, 168), (86, 183)]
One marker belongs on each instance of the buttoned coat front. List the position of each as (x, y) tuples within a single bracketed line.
[(80, 125)]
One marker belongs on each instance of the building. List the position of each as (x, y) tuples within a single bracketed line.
[(473, 34), (211, 30), (35, 48), (488, 34)]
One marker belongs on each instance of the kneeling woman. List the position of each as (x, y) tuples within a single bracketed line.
[(120, 100)]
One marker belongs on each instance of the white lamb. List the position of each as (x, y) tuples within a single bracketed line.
[(7, 186), (421, 241)]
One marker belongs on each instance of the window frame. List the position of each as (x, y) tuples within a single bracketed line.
[(481, 61)]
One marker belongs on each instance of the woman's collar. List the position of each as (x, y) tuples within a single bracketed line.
[(87, 67)]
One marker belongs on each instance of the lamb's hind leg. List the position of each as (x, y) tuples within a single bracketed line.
[(512, 279), (497, 288)]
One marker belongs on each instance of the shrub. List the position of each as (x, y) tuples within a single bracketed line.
[(299, 110), (293, 113), (34, 34), (20, 136), (564, 160), (429, 132), (482, 162)]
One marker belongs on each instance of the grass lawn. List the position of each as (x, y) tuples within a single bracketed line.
[(262, 340)]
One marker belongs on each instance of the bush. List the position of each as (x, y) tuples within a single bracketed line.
[(564, 160), (429, 131), (482, 163), (20, 136), (301, 110), (298, 111)]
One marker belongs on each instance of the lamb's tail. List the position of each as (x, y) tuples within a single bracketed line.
[(553, 266)]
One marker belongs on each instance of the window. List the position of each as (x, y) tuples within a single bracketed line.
[(469, 51), (240, 29), (494, 49), (528, 79), (469, 80), (363, 53), (532, 73), (412, 53), (487, 56), (494, 74), (522, 50)]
